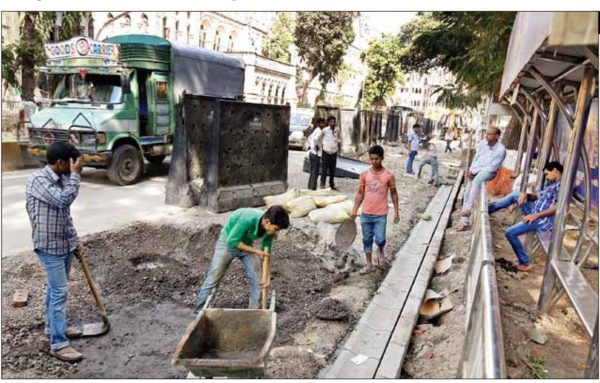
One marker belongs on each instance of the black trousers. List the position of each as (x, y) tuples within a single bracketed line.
[(328, 163), (315, 162), (448, 148)]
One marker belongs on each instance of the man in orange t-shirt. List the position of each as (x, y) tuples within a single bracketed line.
[(373, 190)]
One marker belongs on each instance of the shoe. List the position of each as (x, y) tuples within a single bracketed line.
[(381, 259), (334, 188), (465, 213), (462, 227), (367, 269), (67, 354), (525, 267), (430, 182), (72, 332)]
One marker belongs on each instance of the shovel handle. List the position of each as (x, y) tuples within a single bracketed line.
[(91, 282), (266, 277)]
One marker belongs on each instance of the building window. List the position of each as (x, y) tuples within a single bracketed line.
[(144, 23), (166, 32), (230, 44), (111, 26), (217, 42), (189, 35), (126, 23), (177, 32), (283, 96)]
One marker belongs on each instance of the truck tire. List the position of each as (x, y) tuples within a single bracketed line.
[(126, 166), (156, 160)]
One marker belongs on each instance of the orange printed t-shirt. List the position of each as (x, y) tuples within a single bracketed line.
[(376, 187)]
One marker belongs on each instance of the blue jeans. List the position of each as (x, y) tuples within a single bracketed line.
[(373, 226), (57, 270), (409, 164), (222, 257), (435, 170), (512, 233)]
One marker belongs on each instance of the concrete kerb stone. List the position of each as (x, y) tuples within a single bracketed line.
[(345, 368), (367, 341), (378, 318), (390, 366), (396, 284), (391, 301), (403, 331)]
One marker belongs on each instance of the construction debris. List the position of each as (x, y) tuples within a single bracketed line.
[(20, 298)]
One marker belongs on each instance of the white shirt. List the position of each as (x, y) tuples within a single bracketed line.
[(413, 139), (449, 135), (331, 140), (488, 158), (315, 141)]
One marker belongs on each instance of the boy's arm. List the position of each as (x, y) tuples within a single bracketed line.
[(360, 195), (394, 192), (267, 242), (542, 214)]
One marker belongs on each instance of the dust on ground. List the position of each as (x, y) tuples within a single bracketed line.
[(149, 275)]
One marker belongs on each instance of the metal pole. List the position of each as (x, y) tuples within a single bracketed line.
[(591, 371), (521, 142), (531, 141), (547, 142), (573, 152)]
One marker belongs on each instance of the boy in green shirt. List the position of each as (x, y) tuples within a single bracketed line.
[(241, 229)]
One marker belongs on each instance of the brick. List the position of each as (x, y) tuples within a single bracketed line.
[(20, 298)]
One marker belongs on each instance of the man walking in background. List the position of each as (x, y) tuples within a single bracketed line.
[(413, 144), (449, 137), (49, 195), (331, 145), (314, 155)]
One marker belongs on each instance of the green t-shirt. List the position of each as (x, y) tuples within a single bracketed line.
[(242, 226)]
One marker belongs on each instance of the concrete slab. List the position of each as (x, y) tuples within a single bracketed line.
[(391, 363), (391, 301), (367, 341)]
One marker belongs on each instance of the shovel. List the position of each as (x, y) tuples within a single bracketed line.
[(93, 329), (266, 278)]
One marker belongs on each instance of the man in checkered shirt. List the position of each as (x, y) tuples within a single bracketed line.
[(538, 210), (49, 195)]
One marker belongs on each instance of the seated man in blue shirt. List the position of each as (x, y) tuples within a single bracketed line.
[(538, 210), (485, 165)]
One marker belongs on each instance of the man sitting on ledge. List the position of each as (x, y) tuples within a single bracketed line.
[(538, 210)]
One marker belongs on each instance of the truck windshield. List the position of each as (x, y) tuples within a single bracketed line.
[(93, 88)]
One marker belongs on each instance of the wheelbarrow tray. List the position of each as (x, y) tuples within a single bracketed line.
[(227, 342)]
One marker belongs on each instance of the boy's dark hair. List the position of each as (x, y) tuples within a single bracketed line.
[(320, 119), (277, 215), (550, 166), (377, 150), (416, 126), (61, 150), (331, 118)]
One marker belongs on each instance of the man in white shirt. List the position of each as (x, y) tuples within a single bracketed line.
[(331, 145), (413, 144), (314, 155), (485, 165)]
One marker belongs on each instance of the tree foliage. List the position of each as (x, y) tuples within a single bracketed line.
[(322, 39), (457, 97), (472, 45), (281, 37), (383, 60), (26, 55)]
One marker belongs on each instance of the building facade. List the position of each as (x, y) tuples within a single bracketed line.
[(418, 92)]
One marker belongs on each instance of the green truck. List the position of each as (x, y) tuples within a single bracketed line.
[(116, 100)]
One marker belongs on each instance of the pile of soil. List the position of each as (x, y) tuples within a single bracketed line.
[(331, 309)]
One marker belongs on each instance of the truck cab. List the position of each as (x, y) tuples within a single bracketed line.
[(115, 100)]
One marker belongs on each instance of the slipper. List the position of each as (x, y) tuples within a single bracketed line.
[(443, 265), (465, 213), (67, 354), (462, 227), (434, 307)]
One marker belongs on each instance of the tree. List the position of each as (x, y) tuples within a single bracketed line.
[(26, 55), (470, 44), (383, 60), (457, 97), (322, 39), (277, 46)]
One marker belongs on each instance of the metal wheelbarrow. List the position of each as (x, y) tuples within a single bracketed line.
[(223, 342)]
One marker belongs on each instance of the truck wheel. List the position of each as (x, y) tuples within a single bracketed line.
[(126, 165), (156, 160)]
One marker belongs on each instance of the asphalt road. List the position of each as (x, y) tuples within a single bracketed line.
[(99, 206)]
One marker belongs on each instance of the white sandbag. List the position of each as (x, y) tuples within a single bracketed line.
[(301, 206), (347, 206), (335, 213), (280, 199), (314, 193), (324, 201)]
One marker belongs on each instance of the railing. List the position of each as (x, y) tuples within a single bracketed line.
[(483, 349)]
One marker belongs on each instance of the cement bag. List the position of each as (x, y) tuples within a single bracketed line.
[(331, 214), (280, 199), (301, 206), (314, 193), (324, 201), (347, 206)]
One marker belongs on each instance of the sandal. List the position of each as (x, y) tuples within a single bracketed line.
[(67, 354), (462, 227), (367, 269), (465, 213)]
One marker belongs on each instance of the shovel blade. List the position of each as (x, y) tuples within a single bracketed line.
[(95, 329)]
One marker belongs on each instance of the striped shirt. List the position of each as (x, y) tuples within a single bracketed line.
[(48, 199)]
